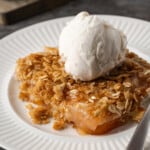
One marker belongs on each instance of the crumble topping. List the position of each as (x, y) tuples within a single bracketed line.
[(50, 91)]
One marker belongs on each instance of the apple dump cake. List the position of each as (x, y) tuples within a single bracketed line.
[(94, 107), (90, 81)]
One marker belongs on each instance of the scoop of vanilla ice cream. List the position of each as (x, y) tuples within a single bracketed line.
[(90, 47)]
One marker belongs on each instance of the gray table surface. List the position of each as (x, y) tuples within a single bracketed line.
[(131, 8)]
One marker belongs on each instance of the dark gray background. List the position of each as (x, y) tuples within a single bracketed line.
[(132, 8)]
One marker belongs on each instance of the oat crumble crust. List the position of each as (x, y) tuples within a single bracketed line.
[(52, 93)]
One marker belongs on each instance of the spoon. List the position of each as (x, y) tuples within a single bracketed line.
[(138, 138)]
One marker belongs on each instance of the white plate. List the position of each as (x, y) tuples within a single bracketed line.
[(16, 130)]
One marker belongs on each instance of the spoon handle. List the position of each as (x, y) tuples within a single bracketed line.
[(138, 138)]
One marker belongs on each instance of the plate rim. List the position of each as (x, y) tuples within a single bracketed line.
[(146, 22)]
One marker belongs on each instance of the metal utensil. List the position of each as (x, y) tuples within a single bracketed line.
[(138, 138)]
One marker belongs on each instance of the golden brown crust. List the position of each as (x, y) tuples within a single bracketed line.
[(44, 83)]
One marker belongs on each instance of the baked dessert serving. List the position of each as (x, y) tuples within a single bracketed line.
[(92, 81)]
